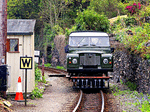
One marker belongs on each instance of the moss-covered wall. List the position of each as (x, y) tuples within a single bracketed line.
[(130, 67)]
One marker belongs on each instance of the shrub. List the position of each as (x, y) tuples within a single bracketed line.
[(123, 22), (68, 31), (58, 30), (136, 42), (145, 106), (60, 67), (47, 65), (133, 8), (145, 12), (38, 73), (131, 85), (90, 20), (36, 93), (49, 57), (130, 21), (111, 8), (43, 80)]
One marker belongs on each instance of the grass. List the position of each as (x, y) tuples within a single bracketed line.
[(143, 104), (60, 67), (47, 65), (37, 93), (131, 85)]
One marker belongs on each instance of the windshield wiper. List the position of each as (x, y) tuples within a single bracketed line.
[(85, 45), (92, 44), (80, 41)]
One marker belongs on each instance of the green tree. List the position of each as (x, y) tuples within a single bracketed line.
[(108, 7), (22, 9), (91, 20), (25, 9)]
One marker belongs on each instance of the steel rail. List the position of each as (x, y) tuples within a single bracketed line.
[(102, 109), (55, 70), (75, 109)]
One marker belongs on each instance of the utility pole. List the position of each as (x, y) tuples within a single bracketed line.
[(3, 29), (3, 34)]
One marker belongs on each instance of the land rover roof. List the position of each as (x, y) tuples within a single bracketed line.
[(86, 39), (88, 33)]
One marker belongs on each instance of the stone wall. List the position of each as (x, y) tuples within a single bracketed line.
[(131, 67), (142, 77)]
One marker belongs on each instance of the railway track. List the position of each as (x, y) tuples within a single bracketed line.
[(90, 102), (93, 102), (54, 70)]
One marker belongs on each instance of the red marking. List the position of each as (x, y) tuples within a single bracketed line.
[(19, 79), (95, 77), (42, 66)]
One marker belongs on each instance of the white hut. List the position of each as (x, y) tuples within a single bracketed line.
[(20, 42)]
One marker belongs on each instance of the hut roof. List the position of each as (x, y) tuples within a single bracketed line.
[(20, 26)]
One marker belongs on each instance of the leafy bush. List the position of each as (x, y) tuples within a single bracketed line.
[(90, 20), (130, 21), (121, 8), (68, 31), (58, 30), (49, 57), (36, 93), (47, 65), (121, 23), (131, 85), (38, 73), (133, 8), (110, 8), (136, 42), (145, 106), (60, 67), (145, 12), (43, 80)]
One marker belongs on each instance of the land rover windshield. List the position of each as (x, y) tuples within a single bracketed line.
[(89, 41)]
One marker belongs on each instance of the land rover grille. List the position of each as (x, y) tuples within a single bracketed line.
[(89, 59)]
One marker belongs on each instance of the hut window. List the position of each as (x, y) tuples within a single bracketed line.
[(12, 45)]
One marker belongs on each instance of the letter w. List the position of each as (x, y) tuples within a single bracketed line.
[(24, 63)]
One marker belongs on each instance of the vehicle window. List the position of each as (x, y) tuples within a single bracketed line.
[(78, 41), (89, 41), (99, 41), (95, 41)]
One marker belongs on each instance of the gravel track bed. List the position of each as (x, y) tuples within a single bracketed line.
[(55, 97), (91, 101), (60, 97)]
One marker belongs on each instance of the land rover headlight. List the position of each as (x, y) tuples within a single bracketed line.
[(74, 61), (105, 61)]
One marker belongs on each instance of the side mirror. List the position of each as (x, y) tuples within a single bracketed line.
[(112, 50), (66, 49)]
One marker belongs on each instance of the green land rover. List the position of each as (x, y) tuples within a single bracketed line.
[(89, 54)]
